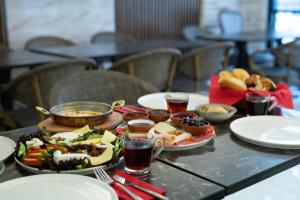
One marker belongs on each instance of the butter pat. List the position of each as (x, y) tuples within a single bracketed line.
[(163, 127)]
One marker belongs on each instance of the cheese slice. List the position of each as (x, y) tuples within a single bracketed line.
[(163, 127), (90, 141), (108, 137), (104, 157)]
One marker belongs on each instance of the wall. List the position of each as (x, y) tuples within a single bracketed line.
[(77, 20), (254, 12)]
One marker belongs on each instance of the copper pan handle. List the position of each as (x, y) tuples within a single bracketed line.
[(42, 110)]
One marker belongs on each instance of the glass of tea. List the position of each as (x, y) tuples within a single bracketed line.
[(177, 101), (259, 105), (138, 153)]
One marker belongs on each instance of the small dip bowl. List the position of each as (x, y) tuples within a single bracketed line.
[(216, 112), (159, 115), (195, 127), (177, 118), (140, 125), (135, 115)]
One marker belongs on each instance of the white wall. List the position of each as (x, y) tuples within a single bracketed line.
[(77, 20)]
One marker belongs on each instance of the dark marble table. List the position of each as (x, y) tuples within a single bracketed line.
[(231, 162), (241, 40), (178, 183), (114, 50)]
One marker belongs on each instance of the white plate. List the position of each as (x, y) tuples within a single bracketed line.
[(177, 147), (86, 171), (157, 101), (56, 186), (269, 131), (180, 147), (7, 147)]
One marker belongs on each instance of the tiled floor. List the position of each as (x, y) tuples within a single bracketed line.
[(284, 185)]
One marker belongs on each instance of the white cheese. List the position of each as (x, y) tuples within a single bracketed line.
[(104, 146), (34, 142), (59, 156), (67, 136)]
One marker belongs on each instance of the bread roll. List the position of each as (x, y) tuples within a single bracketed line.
[(268, 84), (225, 74), (240, 74), (252, 80), (232, 83)]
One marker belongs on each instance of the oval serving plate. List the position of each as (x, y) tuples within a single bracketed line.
[(86, 171), (195, 142)]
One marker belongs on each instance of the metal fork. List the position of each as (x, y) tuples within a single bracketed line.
[(104, 177)]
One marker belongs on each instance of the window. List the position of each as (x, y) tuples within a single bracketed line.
[(285, 16)]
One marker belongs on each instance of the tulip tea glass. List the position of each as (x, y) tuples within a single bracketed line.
[(259, 105), (177, 101), (138, 152)]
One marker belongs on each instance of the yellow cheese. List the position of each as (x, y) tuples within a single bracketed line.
[(163, 127), (90, 141), (104, 157), (108, 137), (83, 130)]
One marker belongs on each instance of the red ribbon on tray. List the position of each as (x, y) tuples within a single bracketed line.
[(231, 97), (145, 196)]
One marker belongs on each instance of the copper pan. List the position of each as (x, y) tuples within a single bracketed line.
[(57, 113)]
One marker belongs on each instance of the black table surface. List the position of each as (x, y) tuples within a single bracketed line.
[(231, 162), (19, 58), (114, 50), (177, 183), (250, 36)]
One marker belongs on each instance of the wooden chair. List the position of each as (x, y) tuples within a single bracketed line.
[(32, 88), (108, 37), (199, 64), (154, 66), (103, 86), (47, 41)]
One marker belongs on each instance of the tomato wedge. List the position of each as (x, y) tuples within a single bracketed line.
[(37, 155), (60, 148), (32, 162)]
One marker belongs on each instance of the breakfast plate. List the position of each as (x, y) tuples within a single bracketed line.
[(63, 186), (157, 101), (191, 143), (7, 147), (77, 152), (268, 131)]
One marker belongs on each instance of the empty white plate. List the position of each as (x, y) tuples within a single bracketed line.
[(157, 101), (7, 147), (56, 186), (269, 131)]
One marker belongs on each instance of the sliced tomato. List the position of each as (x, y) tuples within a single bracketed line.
[(32, 162), (37, 155), (36, 149), (60, 148)]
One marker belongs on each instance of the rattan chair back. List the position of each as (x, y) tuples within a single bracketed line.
[(32, 88), (155, 66), (203, 62), (109, 37), (102, 86), (47, 41)]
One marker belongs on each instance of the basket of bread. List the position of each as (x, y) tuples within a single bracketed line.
[(230, 87)]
